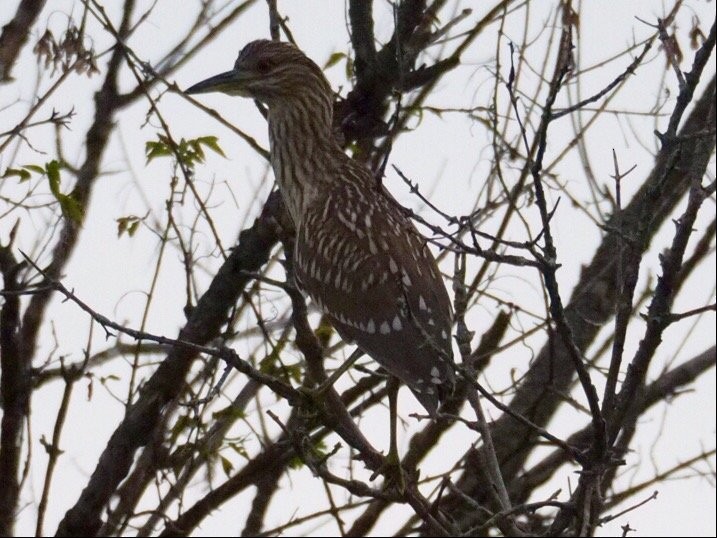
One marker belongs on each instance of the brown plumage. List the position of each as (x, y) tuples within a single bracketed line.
[(357, 255)]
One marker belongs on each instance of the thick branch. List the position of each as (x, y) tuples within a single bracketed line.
[(15, 33), (15, 386)]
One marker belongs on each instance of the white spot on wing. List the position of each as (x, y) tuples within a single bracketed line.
[(385, 329), (346, 222), (397, 326), (392, 265), (422, 303), (371, 244), (370, 327)]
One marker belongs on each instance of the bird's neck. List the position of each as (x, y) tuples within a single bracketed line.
[(304, 153)]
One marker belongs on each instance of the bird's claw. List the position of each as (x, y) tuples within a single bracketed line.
[(315, 394), (393, 473)]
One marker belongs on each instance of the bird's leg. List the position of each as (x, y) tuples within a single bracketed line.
[(392, 388), (334, 377), (393, 461)]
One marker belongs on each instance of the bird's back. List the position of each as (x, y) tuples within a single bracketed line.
[(367, 267)]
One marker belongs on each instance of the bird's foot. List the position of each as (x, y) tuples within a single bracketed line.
[(316, 394), (393, 472)]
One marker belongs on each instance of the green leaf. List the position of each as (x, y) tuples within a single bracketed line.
[(229, 412), (197, 150), (187, 152), (227, 465), (295, 463), (52, 169), (106, 378), (418, 113), (71, 208), (121, 226), (133, 228), (183, 422), (180, 456), (212, 142), (128, 224), (319, 450), (153, 150), (23, 174), (324, 331), (34, 168), (349, 68), (239, 449), (335, 58)]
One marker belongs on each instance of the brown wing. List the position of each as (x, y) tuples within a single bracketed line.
[(370, 271)]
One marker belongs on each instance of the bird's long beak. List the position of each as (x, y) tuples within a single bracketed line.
[(229, 82)]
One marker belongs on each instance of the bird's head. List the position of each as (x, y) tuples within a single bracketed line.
[(272, 72)]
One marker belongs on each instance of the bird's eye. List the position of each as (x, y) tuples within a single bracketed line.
[(263, 67)]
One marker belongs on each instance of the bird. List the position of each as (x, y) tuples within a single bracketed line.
[(357, 254)]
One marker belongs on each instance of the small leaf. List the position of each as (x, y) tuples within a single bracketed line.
[(197, 149), (23, 174), (212, 142), (229, 412), (156, 149), (294, 372), (183, 422), (71, 208), (34, 168), (227, 465), (52, 169), (319, 450), (239, 449), (335, 58), (110, 377), (349, 68)]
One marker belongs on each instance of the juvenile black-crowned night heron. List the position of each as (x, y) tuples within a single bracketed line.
[(357, 255)]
